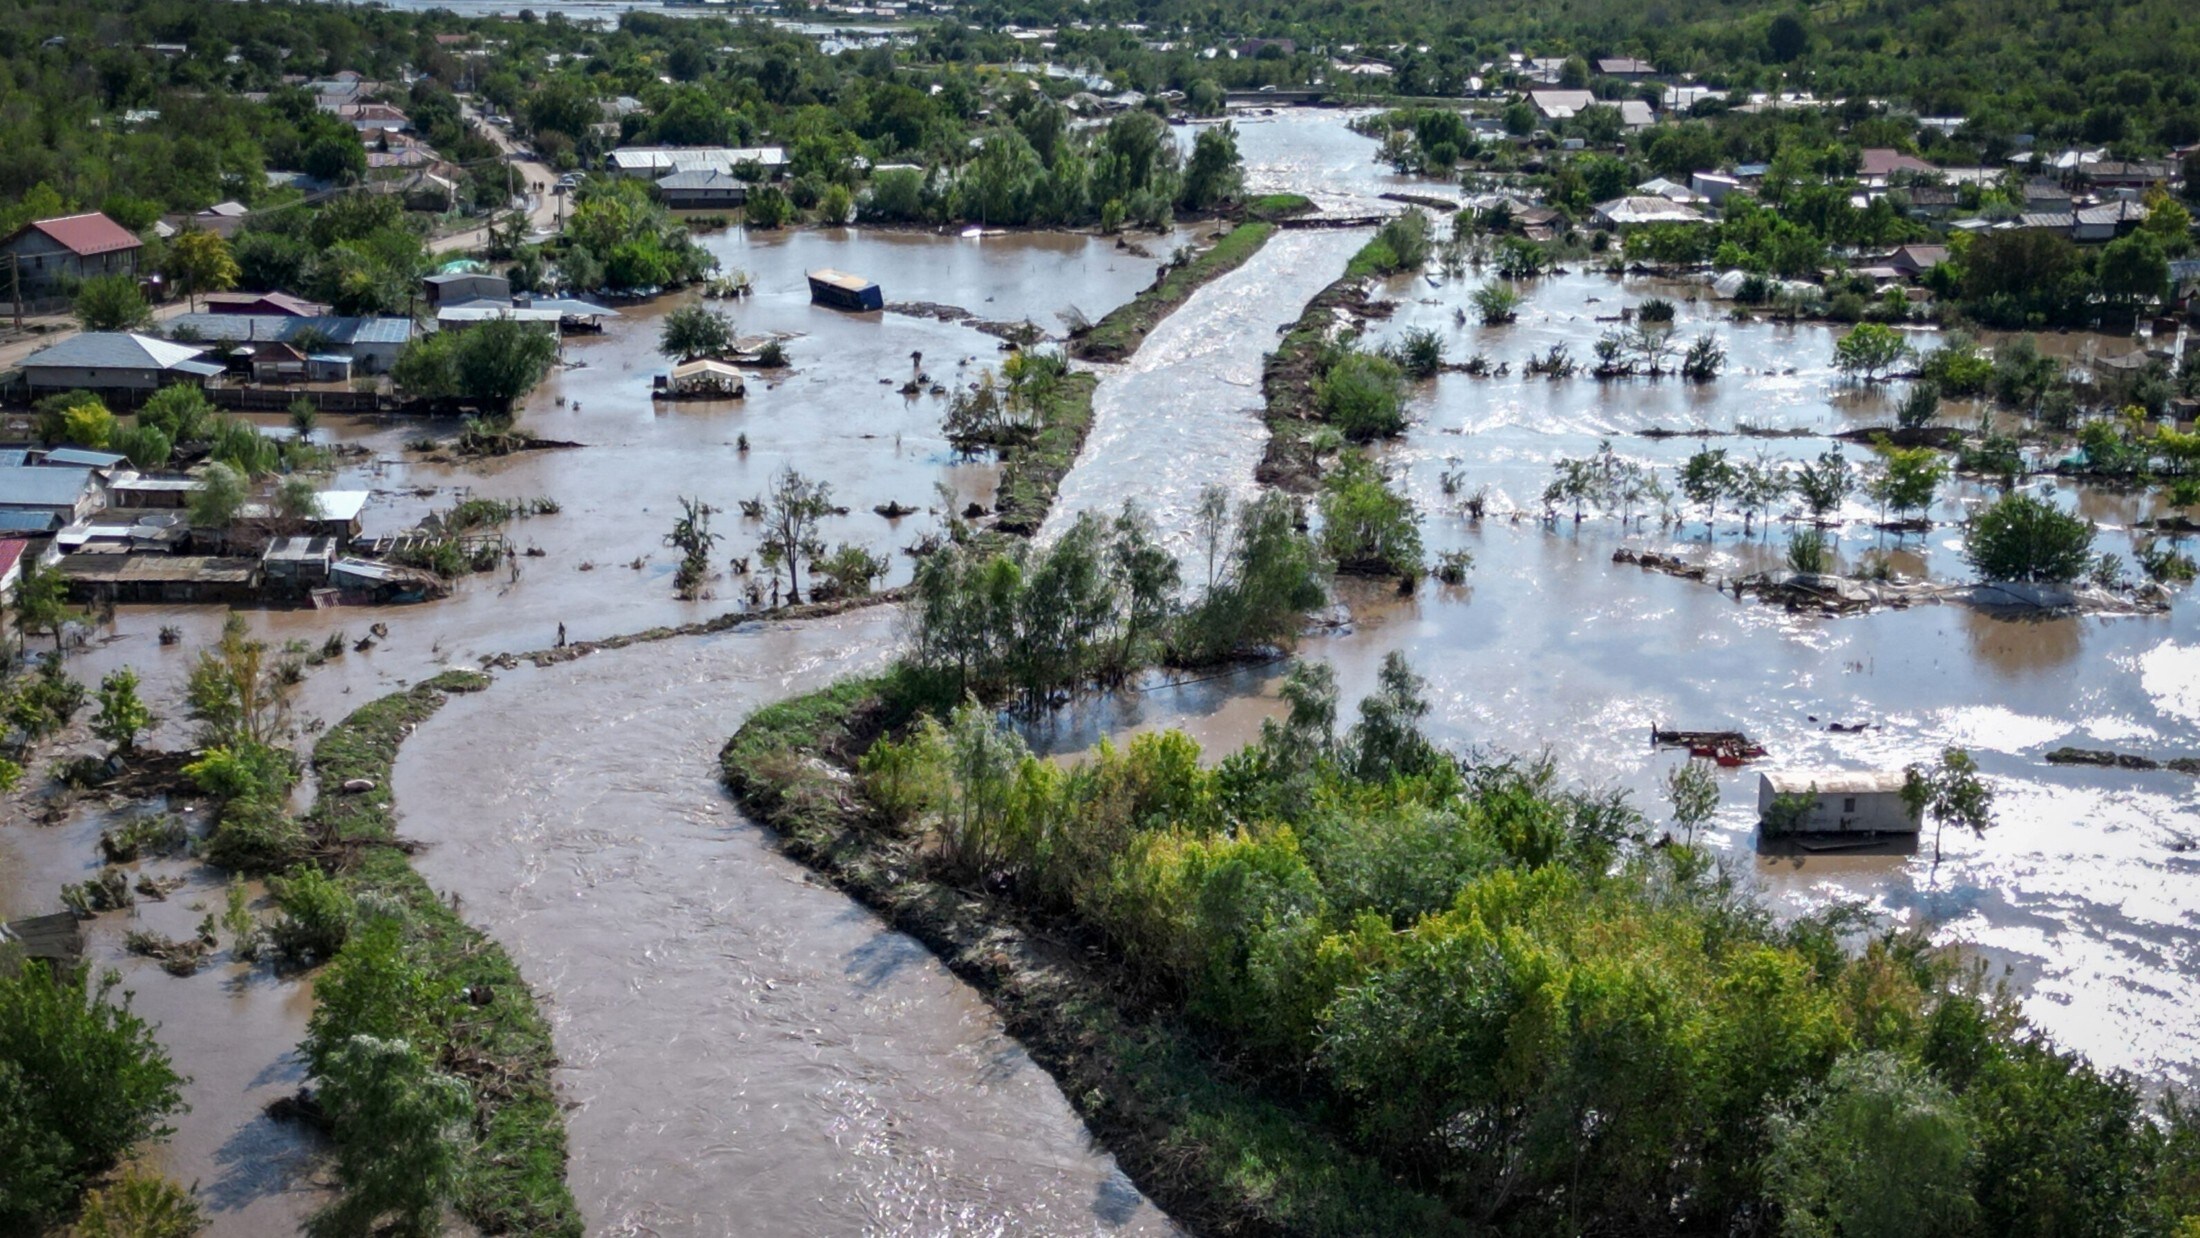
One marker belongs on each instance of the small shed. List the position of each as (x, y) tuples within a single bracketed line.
[(1834, 802), (139, 491), (56, 938), (706, 379), (843, 291), (296, 564)]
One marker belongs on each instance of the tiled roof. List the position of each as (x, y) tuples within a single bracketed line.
[(85, 235)]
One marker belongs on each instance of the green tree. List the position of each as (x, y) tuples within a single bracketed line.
[(1694, 794), (1363, 395), (82, 1081), (499, 362), (181, 412), (218, 498), (1950, 792), (1908, 480), (1214, 175), (2134, 271), (793, 509), (304, 416), (137, 1204), (199, 261), (88, 424), (1368, 528), (399, 1131), (1786, 38), (1919, 406), (2025, 539), (1825, 483), (41, 601), (1870, 351), (1884, 1151), (122, 716), (1706, 477), (111, 303), (695, 331)]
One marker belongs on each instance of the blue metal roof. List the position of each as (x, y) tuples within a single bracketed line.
[(28, 522), (84, 458), (13, 457), (281, 328), (112, 350), (43, 487)]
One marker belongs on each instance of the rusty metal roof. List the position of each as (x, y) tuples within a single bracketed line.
[(85, 235)]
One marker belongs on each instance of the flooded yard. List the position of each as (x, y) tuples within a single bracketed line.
[(738, 1041)]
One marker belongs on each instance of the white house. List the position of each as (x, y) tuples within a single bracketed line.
[(1834, 802)]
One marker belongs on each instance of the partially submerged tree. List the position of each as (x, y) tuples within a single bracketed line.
[(218, 498), (792, 510), (2028, 540), (1694, 794), (1950, 792), (695, 331), (122, 715), (692, 537), (1870, 351)]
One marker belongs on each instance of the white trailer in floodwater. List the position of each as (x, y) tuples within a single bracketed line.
[(1833, 802)]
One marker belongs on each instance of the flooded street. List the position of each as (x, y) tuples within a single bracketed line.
[(737, 1041)]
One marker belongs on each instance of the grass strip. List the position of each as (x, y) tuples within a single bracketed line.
[(1031, 473), (1288, 378), (1117, 336), (514, 1178), (1212, 1149)]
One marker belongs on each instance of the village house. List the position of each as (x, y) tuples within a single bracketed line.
[(1632, 212), (278, 304), (1627, 68), (684, 191), (45, 499), (1877, 167), (1556, 105), (369, 345), (1833, 802), (655, 162), (2113, 174), (1914, 260), (48, 255), (115, 362), (2107, 221), (1713, 187)]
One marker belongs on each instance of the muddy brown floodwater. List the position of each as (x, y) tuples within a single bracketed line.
[(750, 1052), (2089, 888), (232, 1028), (745, 1051)]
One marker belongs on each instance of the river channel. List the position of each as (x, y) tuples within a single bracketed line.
[(739, 1043)]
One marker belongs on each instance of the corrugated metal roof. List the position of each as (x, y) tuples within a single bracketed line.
[(1833, 781), (87, 234), (840, 279), (84, 457), (277, 328), (43, 487), (28, 522), (114, 350)]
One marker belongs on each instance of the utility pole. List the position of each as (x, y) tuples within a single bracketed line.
[(15, 287)]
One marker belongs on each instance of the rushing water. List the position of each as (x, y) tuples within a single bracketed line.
[(2087, 890), (1185, 411), (737, 1041), (743, 1044)]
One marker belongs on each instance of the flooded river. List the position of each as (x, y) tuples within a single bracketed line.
[(739, 1042)]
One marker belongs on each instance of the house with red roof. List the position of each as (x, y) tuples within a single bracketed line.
[(50, 253), (11, 563)]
